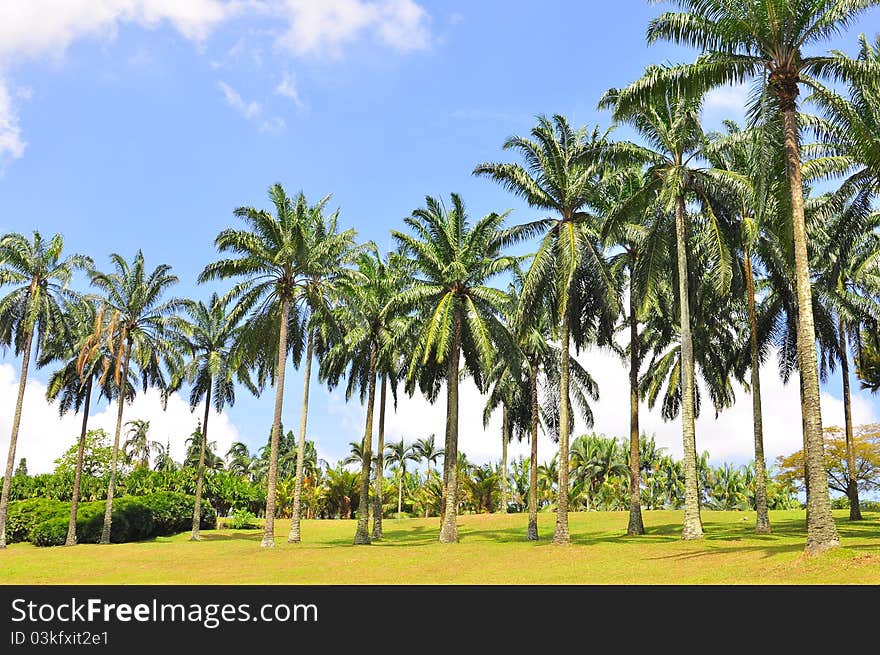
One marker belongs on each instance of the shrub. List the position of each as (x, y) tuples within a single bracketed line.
[(23, 515), (173, 512), (49, 533), (242, 519)]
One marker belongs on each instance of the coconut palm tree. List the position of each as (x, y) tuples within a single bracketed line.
[(72, 384), (239, 460), (767, 39), (285, 264), (211, 338), (456, 313), (427, 451), (137, 333), (39, 277), (397, 454), (371, 335), (561, 171)]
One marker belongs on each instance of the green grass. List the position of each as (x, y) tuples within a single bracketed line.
[(492, 549)]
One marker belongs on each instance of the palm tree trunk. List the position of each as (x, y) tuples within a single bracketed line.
[(13, 438), (693, 525), (505, 428), (362, 535), (269, 526), (804, 435), (114, 457), (561, 535), (532, 531), (427, 477), (762, 523), (77, 474), (294, 536), (400, 492), (852, 490), (200, 480), (635, 526), (821, 531), (380, 463), (449, 529)]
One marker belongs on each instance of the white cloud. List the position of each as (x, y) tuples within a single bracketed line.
[(274, 125), (233, 99), (287, 88), (12, 144), (727, 102), (324, 27), (43, 435)]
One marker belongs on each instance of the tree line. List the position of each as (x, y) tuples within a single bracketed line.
[(687, 252)]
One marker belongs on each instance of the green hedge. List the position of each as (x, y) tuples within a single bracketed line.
[(44, 522)]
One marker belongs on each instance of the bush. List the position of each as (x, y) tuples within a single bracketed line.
[(242, 519), (134, 518), (49, 533), (23, 515)]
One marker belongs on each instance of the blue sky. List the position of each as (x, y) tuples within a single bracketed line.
[(143, 125)]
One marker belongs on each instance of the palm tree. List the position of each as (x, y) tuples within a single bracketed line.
[(137, 446), (72, 384), (671, 128), (164, 462), (398, 453), (211, 337), (425, 449), (456, 313), (39, 278), (287, 262), (848, 276), (136, 332), (561, 174), (239, 460), (752, 158), (371, 335), (766, 39)]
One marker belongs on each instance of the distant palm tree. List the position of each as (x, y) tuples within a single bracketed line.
[(561, 171), (136, 332), (164, 462), (211, 338), (137, 446), (456, 312), (239, 460), (398, 454), (39, 277), (287, 262)]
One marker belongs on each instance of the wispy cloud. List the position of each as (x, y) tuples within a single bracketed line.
[(12, 145), (287, 88), (322, 28), (249, 110)]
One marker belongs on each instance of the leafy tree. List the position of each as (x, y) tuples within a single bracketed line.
[(39, 277), (137, 446)]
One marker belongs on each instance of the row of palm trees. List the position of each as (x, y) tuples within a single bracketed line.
[(710, 243)]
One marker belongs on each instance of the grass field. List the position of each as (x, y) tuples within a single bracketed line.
[(491, 550)]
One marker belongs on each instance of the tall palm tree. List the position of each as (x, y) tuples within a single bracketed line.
[(286, 262), (752, 158), (426, 450), (561, 171), (848, 276), (138, 447), (370, 334), (136, 332), (456, 313), (397, 454), (72, 384), (39, 277), (211, 337), (766, 39), (670, 126)]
